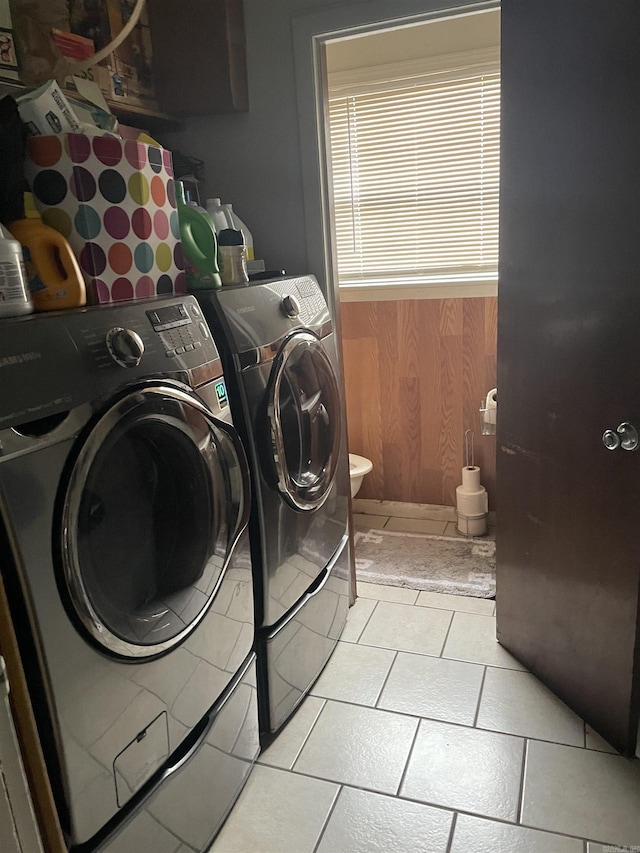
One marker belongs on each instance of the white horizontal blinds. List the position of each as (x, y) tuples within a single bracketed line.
[(415, 178)]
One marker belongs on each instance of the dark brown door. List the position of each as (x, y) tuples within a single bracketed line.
[(568, 576)]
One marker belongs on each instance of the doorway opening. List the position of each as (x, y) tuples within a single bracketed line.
[(412, 157)]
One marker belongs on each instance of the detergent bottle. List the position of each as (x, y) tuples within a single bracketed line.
[(199, 244), (53, 274)]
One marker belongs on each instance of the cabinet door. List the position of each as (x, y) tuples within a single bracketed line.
[(568, 573), (199, 56)]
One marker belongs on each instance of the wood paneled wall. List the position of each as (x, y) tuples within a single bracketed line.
[(415, 373)]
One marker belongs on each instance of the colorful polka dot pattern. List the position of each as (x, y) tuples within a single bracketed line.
[(114, 201)]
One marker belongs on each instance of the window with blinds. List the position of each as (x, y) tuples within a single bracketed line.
[(415, 164)]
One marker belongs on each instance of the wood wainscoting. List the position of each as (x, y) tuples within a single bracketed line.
[(415, 374)]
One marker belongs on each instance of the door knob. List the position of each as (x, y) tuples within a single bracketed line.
[(625, 436), (628, 436)]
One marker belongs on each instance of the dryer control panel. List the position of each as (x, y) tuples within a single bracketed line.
[(265, 312)]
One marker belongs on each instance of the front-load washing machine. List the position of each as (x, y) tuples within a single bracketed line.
[(278, 347), (124, 497)]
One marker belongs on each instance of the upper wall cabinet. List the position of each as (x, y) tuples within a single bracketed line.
[(181, 58), (199, 56)]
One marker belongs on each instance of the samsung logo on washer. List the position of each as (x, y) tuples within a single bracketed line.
[(246, 309), (19, 358)]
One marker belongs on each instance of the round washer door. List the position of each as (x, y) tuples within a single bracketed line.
[(305, 420), (155, 504)]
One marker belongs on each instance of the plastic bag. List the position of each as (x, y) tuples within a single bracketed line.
[(38, 57)]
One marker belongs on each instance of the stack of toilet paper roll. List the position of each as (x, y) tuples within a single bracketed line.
[(472, 503)]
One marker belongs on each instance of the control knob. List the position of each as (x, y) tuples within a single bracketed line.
[(290, 306), (125, 346)]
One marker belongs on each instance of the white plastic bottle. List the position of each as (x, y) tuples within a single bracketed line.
[(219, 216), (15, 298), (238, 225)]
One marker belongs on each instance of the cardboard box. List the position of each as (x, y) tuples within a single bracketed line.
[(46, 110), (114, 201), (71, 45)]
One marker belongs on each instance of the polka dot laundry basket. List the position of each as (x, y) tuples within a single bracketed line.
[(114, 201)]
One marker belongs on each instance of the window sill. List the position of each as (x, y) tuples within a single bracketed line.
[(392, 293)]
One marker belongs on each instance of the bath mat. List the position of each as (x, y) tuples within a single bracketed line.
[(421, 561)]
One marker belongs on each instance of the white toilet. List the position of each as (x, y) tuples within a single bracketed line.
[(359, 467)]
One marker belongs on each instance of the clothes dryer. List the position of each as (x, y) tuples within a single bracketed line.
[(124, 497), (279, 352)]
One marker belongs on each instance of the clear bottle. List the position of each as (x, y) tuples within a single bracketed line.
[(238, 225), (54, 277)]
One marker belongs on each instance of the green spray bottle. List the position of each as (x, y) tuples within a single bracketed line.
[(199, 244)]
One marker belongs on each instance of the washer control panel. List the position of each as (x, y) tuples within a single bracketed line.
[(179, 328), (55, 361)]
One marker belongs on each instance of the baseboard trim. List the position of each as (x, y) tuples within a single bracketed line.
[(403, 509)]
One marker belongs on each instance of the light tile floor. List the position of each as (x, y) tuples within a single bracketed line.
[(423, 735), (446, 748)]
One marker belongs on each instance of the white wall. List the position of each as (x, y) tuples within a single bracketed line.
[(254, 159)]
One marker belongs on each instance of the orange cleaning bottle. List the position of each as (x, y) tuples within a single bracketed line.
[(55, 279)]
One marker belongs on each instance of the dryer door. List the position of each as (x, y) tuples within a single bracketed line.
[(156, 501), (305, 420)]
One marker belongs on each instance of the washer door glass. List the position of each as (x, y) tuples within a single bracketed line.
[(156, 501), (304, 411)]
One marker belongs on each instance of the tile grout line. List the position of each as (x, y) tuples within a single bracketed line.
[(428, 655), (308, 735), (384, 683), (441, 807), (470, 727), (431, 605), (477, 713), (429, 515), (523, 772), (407, 762), (452, 832), (446, 637), (364, 627), (328, 818)]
